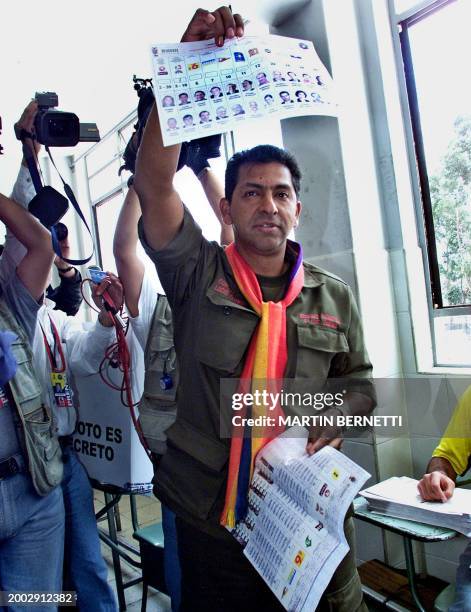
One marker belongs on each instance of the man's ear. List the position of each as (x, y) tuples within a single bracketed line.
[(299, 207), (225, 208)]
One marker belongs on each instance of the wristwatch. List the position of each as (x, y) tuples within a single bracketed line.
[(64, 270)]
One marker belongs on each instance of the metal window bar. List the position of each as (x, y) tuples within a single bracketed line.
[(435, 284)]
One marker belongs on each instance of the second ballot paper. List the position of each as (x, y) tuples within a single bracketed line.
[(202, 89), (293, 533)]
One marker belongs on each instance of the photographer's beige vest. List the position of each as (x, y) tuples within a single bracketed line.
[(40, 446), (157, 409)]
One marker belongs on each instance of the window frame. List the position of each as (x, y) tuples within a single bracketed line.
[(404, 21)]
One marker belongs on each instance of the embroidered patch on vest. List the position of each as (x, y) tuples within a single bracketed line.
[(321, 319), (221, 286)]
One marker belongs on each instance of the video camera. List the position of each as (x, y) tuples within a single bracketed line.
[(59, 128)]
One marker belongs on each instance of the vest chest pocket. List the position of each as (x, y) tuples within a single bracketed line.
[(223, 336), (317, 346)]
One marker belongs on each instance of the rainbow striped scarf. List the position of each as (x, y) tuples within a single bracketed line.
[(264, 365)]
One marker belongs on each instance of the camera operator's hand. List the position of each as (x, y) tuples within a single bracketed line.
[(112, 285), (26, 123), (64, 269), (219, 24)]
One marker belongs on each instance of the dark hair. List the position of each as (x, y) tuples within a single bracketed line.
[(261, 154), (187, 117)]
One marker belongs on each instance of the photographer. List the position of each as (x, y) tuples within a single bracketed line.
[(62, 348), (31, 506)]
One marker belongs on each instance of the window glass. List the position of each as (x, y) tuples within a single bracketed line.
[(453, 340), (404, 5)]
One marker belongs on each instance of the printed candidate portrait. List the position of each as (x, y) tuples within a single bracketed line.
[(215, 92), (168, 101), (205, 117), (183, 98)]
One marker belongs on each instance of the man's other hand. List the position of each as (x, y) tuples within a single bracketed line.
[(220, 24), (436, 486), (324, 435)]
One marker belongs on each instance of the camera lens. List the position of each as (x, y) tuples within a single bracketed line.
[(60, 128)]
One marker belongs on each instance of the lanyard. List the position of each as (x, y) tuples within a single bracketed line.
[(51, 352)]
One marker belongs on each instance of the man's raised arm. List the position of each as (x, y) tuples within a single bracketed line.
[(130, 268), (34, 268), (162, 211)]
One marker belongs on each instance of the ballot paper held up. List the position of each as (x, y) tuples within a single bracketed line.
[(202, 89), (399, 497), (293, 532)]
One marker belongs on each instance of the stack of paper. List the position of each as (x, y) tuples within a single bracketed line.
[(399, 497)]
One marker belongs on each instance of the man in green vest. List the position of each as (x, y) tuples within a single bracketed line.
[(223, 302)]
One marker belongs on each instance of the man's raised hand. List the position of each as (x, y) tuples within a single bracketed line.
[(26, 123), (219, 24)]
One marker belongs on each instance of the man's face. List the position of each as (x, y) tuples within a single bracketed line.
[(221, 113), (264, 207), (199, 95), (183, 98), (188, 120), (215, 91), (284, 95), (204, 116), (172, 123), (268, 100)]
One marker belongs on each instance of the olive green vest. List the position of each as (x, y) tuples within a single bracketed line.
[(157, 409), (39, 444)]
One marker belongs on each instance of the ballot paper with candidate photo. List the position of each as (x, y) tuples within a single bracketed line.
[(293, 532), (202, 89)]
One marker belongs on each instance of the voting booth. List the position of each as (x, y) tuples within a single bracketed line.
[(105, 438)]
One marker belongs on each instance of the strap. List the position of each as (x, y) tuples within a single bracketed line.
[(31, 162), (37, 182), (51, 352), (71, 196)]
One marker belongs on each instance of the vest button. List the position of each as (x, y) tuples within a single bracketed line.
[(227, 310)]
